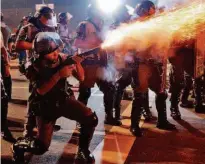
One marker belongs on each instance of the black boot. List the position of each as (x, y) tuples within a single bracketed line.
[(109, 119), (163, 123), (185, 103), (146, 110), (136, 114), (175, 95), (117, 104), (84, 155), (200, 107), (109, 100)]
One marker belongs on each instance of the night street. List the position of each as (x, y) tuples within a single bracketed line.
[(112, 144)]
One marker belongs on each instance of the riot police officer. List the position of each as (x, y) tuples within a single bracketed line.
[(182, 60), (125, 71), (6, 33), (41, 22), (150, 74), (51, 99), (5, 70), (64, 31), (88, 32)]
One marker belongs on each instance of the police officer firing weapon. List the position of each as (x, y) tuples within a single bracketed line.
[(52, 99)]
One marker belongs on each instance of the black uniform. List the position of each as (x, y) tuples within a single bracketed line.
[(58, 101), (91, 67), (28, 33), (183, 61)]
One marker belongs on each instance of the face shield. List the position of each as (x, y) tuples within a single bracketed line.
[(52, 20)]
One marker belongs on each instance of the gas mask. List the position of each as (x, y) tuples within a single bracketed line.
[(52, 22)]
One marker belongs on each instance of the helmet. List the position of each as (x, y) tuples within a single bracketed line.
[(144, 7), (122, 14), (47, 42), (64, 16), (44, 11)]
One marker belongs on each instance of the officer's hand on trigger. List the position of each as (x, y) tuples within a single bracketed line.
[(66, 71), (77, 59)]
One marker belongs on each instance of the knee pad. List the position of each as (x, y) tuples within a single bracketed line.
[(162, 96), (91, 120), (31, 145)]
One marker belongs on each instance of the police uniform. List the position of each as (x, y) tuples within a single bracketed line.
[(57, 102), (183, 61), (151, 74), (27, 33), (94, 69), (6, 134), (6, 33), (126, 64)]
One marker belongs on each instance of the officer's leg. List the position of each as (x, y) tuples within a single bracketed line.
[(84, 94), (5, 132), (198, 87), (30, 122), (108, 90), (88, 120), (121, 84), (139, 95), (146, 109), (177, 84), (37, 145), (188, 82), (155, 84), (8, 86)]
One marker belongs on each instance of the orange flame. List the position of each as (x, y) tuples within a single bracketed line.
[(178, 26)]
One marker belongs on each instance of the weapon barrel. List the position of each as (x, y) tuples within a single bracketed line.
[(89, 52)]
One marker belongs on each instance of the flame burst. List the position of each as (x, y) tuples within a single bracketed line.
[(159, 33)]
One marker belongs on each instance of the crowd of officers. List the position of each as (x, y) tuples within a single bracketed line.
[(50, 59)]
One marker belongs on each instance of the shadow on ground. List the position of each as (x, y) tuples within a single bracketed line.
[(161, 146)]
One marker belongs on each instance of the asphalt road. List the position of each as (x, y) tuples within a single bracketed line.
[(111, 144)]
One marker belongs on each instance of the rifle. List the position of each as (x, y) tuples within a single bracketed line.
[(88, 53)]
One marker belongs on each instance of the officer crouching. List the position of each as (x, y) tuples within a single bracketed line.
[(50, 98)]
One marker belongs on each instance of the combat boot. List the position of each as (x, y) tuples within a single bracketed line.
[(87, 129), (175, 113), (199, 107), (163, 123), (136, 114)]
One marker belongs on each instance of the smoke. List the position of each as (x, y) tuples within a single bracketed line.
[(155, 36), (169, 4)]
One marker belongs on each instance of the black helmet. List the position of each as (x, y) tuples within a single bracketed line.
[(64, 16), (122, 14), (44, 11), (47, 42), (143, 8)]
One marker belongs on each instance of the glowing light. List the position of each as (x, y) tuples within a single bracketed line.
[(130, 9), (108, 6), (172, 28)]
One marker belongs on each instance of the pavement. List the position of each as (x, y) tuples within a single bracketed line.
[(111, 144)]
